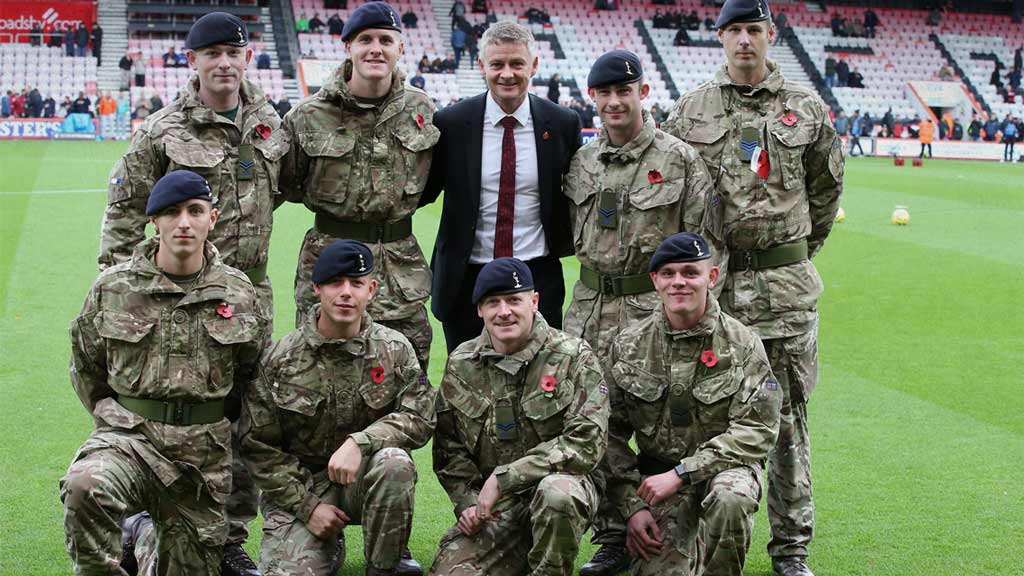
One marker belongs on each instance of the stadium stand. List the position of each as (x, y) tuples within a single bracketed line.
[(48, 69)]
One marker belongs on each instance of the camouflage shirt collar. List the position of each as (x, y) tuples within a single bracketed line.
[(336, 90), (772, 83), (206, 287), (248, 94), (705, 327), (631, 151), (356, 346), (512, 363)]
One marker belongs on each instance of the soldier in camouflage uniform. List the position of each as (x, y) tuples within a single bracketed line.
[(522, 422), (229, 134), (327, 426), (359, 161), (160, 351), (777, 165), (629, 190), (695, 387)]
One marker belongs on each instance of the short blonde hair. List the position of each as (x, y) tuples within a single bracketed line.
[(504, 32)]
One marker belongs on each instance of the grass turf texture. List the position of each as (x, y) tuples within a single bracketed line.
[(916, 424)]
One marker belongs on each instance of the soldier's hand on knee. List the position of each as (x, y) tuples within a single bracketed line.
[(643, 538), (655, 489), (488, 497), (345, 463), (469, 521), (327, 521)]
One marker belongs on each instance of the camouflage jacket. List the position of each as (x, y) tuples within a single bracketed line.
[(141, 335), (556, 396), (624, 201), (188, 135), (367, 164), (798, 200), (312, 394), (709, 419)]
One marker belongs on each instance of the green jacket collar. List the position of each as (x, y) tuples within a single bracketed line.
[(633, 150)]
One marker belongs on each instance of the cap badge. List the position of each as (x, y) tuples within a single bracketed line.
[(697, 246), (629, 70), (362, 264), (760, 9), (515, 278), (393, 21), (241, 36)]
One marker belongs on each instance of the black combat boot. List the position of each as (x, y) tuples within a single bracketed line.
[(407, 566), (790, 566), (236, 562), (610, 559), (131, 527)]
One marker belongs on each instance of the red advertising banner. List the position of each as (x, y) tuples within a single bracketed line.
[(17, 17)]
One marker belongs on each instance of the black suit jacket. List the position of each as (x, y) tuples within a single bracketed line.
[(456, 170)]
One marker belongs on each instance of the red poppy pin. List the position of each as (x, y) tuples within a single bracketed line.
[(546, 135), (226, 310), (654, 177), (789, 119), (377, 374), (548, 383), (419, 121), (263, 131), (708, 358)]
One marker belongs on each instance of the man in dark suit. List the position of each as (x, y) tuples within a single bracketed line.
[(500, 162)]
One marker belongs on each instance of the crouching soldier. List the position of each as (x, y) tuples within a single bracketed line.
[(522, 422), (695, 388), (328, 425), (162, 344)]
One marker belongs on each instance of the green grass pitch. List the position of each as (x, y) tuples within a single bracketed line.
[(918, 439)]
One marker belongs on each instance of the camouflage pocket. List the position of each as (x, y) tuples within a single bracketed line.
[(330, 156), (127, 347), (545, 409), (196, 157), (837, 160), (224, 334), (408, 268), (802, 363), (470, 409), (709, 140), (129, 177), (381, 395), (272, 150), (788, 156), (415, 147), (793, 288), (714, 398), (644, 395)]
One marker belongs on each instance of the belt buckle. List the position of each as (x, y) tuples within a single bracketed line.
[(380, 229), (607, 285), (177, 413), (748, 260)]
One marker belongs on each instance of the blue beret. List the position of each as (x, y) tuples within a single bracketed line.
[(176, 187), (342, 258), (681, 247), (743, 11), (217, 28), (615, 67), (371, 15), (502, 276)]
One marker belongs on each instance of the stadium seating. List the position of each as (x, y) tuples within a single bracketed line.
[(47, 69)]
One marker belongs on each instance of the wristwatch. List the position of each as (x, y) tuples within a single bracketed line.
[(680, 471)]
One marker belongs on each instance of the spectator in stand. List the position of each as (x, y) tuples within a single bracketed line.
[(1018, 58), (842, 124), (842, 72), (1013, 79), (106, 109), (419, 81), (554, 90), (410, 19), (437, 66), (958, 130), (336, 4), (889, 122), (836, 24), (316, 25), (947, 123), (5, 104), (658, 115), (56, 39), (457, 12), (65, 107), (480, 6), (682, 38), (35, 35), (537, 16), (139, 70), (81, 40), (693, 21), (991, 127), (69, 40), (472, 47), (170, 58), (658, 20), (335, 24), (855, 79), (934, 17), (870, 23), (97, 41), (142, 110), (996, 78), (856, 126), (302, 24), (856, 29), (34, 104), (449, 66), (124, 115), (458, 44), (926, 133), (867, 125), (125, 65), (263, 61), (283, 106), (1011, 132), (424, 66), (81, 105), (155, 102), (974, 128), (709, 23), (49, 107)]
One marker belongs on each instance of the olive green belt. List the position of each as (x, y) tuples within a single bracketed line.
[(769, 257), (175, 412), (257, 274), (615, 285), (364, 231)]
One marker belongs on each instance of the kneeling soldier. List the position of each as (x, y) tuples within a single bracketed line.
[(327, 427), (522, 422), (695, 387), (162, 342)]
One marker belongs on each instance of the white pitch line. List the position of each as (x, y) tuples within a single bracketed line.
[(53, 192)]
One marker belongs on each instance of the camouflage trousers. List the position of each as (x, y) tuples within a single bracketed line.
[(721, 512), (106, 485), (794, 362), (381, 500), (538, 533)]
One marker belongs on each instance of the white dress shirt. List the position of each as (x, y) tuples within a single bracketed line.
[(528, 240)]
